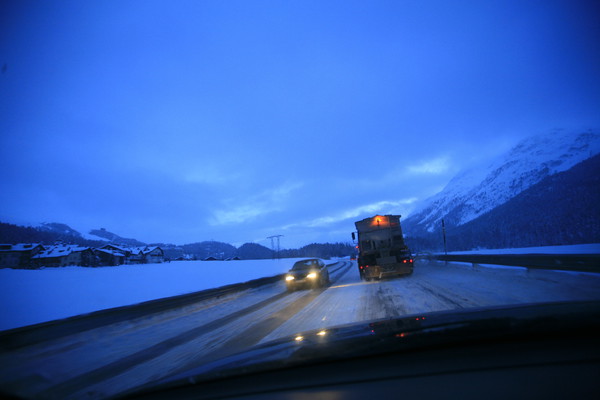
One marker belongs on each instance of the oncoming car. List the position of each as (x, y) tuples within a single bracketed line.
[(310, 273)]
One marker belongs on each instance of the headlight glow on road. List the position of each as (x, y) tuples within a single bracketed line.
[(312, 275)]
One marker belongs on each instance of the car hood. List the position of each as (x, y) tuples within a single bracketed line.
[(397, 335)]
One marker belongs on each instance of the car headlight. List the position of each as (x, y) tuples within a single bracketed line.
[(289, 278), (312, 275)]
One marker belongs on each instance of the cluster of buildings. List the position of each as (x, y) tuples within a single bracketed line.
[(26, 255)]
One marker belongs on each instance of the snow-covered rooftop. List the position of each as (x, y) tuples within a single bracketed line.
[(59, 251), (18, 247)]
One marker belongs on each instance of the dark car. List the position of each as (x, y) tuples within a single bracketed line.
[(311, 273)]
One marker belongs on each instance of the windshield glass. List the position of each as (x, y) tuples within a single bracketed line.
[(307, 264), (166, 164)]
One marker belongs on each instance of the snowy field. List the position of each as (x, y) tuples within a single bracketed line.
[(33, 296)]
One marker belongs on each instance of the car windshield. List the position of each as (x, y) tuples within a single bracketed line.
[(167, 164), (306, 264)]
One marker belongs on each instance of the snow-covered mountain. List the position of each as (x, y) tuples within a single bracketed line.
[(478, 190), (65, 232), (58, 228), (103, 234)]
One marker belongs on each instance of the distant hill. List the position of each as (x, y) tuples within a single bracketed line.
[(50, 233), (561, 209), (254, 251), (321, 250), (202, 250), (114, 238), (60, 229)]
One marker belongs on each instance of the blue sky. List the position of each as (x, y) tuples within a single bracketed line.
[(186, 121)]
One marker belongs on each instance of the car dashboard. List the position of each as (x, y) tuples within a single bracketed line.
[(540, 360)]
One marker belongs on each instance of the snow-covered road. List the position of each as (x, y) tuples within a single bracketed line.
[(114, 358)]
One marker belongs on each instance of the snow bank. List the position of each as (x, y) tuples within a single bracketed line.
[(593, 248), (33, 296)]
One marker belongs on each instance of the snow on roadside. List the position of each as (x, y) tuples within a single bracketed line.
[(593, 248), (33, 296)]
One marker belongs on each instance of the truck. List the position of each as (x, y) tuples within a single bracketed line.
[(381, 248)]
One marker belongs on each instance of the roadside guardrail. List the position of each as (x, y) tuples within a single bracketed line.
[(566, 262)]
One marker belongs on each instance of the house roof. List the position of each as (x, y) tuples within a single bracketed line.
[(136, 250), (19, 247), (150, 249), (59, 251), (133, 250), (123, 249), (111, 252)]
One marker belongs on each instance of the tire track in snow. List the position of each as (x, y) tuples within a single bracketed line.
[(240, 342), (332, 305), (437, 293), (380, 300), (391, 308), (255, 333), (121, 365)]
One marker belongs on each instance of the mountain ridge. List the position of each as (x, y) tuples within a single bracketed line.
[(561, 209), (477, 190)]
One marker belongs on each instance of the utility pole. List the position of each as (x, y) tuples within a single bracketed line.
[(444, 232), (275, 249)]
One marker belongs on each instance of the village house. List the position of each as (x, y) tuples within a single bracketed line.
[(18, 255), (154, 254), (108, 257), (138, 255), (35, 255), (126, 251), (64, 255)]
